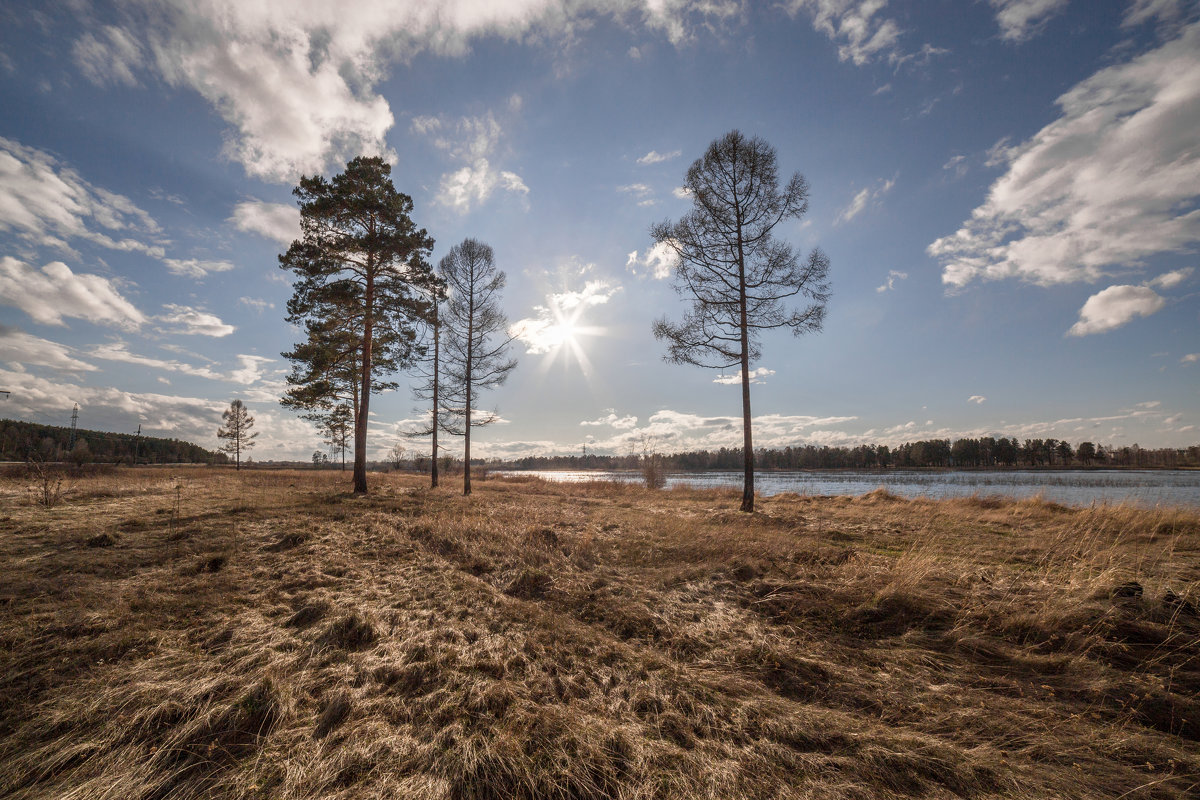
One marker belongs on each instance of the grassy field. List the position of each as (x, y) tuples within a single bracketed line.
[(266, 635)]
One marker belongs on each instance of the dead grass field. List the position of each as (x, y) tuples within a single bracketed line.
[(264, 635)]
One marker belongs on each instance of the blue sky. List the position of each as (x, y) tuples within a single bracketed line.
[(1007, 191)]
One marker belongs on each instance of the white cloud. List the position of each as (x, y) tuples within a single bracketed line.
[(890, 284), (611, 420), (655, 157), (1113, 307), (978, 399), (860, 32), (257, 303), (864, 198), (194, 322), (640, 192), (108, 57), (473, 141), (755, 374), (1169, 280), (1166, 11), (248, 371), (1190, 358), (18, 347), (194, 267), (658, 262), (1021, 19), (1110, 183), (682, 192), (277, 221), (559, 321), (1149, 404), (56, 292), (50, 205)]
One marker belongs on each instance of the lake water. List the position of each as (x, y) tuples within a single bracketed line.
[(1070, 487)]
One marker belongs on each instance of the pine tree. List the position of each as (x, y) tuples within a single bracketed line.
[(236, 431), (362, 274)]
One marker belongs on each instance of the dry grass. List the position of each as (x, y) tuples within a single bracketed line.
[(205, 634)]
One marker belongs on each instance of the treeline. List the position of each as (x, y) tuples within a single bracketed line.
[(984, 452), (20, 441)]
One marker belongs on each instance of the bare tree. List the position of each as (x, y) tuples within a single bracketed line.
[(736, 273), (429, 370), (475, 339), (236, 430)]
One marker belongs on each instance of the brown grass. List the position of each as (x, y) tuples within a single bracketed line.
[(198, 634)]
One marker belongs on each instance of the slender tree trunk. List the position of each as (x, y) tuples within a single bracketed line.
[(437, 329), (467, 428), (360, 421), (747, 437)]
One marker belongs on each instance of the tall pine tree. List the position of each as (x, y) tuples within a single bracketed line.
[(361, 275)]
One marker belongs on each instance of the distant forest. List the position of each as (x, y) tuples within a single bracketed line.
[(22, 440), (986, 452)]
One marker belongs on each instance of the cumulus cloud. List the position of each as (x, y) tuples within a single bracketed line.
[(1190, 358), (1021, 19), (978, 399), (193, 322), (1110, 183), (472, 141), (755, 374), (277, 221), (658, 261), (54, 292), (194, 267), (682, 192), (19, 347), (49, 205), (559, 321), (890, 284), (655, 157), (1113, 307), (612, 420), (864, 198)]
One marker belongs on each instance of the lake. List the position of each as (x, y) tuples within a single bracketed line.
[(1070, 487)]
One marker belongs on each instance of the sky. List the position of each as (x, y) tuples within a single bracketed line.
[(1007, 191)]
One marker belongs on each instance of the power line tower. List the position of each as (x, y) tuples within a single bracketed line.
[(137, 444), (74, 421)]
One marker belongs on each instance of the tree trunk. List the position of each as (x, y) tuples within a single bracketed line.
[(360, 421), (467, 427), (747, 438), (437, 329)]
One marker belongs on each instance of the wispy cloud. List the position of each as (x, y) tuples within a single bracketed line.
[(978, 399), (1022, 19), (890, 284), (49, 205), (864, 198), (655, 157), (19, 347), (195, 268), (472, 141)]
